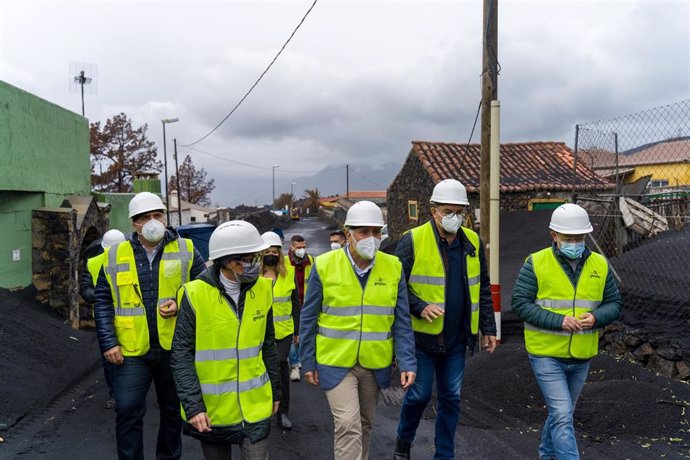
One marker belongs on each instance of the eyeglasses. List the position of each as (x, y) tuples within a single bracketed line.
[(449, 213), (247, 258)]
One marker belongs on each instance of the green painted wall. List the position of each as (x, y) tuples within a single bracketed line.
[(43, 147), (119, 209), (15, 220), (44, 156)]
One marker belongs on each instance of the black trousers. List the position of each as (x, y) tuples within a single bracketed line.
[(283, 352)]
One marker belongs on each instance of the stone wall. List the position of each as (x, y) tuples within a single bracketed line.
[(664, 356), (58, 238)]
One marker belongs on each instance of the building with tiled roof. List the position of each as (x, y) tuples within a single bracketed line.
[(532, 173)]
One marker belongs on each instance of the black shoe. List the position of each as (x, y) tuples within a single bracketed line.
[(109, 404), (284, 422), (402, 450)]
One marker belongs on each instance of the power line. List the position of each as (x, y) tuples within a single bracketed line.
[(368, 180), (257, 81)]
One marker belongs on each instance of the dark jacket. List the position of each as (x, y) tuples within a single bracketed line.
[(148, 285), (527, 286), (187, 381), (487, 322)]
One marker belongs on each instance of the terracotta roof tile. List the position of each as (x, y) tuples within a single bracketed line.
[(524, 166)]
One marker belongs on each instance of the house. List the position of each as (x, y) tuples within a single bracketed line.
[(47, 213), (334, 208), (191, 213), (534, 175), (667, 162)]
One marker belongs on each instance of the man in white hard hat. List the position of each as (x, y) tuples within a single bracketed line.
[(450, 303), (565, 294), (87, 284), (224, 356), (355, 315), (135, 311)]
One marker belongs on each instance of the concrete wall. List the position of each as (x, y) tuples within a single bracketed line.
[(119, 210)]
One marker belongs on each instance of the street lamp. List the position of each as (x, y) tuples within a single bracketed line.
[(291, 184), (164, 121), (273, 203)]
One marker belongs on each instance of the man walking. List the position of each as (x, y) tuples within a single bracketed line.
[(565, 294), (302, 263), (450, 302), (355, 316), (135, 314)]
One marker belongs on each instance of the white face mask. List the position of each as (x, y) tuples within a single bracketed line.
[(335, 246), (451, 223), (153, 231), (367, 247), (300, 253)]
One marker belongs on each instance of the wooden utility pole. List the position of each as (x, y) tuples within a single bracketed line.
[(489, 93), (347, 180)]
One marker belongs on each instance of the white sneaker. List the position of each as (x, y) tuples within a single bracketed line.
[(294, 374)]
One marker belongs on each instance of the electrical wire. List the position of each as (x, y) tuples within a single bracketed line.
[(257, 81), (368, 180)]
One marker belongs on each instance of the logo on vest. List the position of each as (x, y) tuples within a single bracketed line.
[(594, 274), (380, 282), (258, 315)]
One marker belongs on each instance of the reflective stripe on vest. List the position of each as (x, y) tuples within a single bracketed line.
[(282, 303), (428, 277), (557, 294), (94, 265), (355, 324), (229, 364), (130, 322)]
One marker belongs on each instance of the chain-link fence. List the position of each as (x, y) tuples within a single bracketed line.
[(642, 222)]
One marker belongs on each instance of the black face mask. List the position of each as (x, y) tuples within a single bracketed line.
[(271, 261)]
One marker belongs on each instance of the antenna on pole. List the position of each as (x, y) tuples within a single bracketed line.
[(82, 74)]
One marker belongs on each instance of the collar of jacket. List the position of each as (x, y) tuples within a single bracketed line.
[(212, 276), (467, 247)]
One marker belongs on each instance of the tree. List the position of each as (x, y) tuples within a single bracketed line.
[(193, 184), (312, 199), (285, 199), (123, 151)]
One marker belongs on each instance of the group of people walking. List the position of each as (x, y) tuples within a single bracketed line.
[(222, 340)]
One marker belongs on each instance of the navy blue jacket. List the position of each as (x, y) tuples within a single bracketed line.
[(104, 311), (487, 323)]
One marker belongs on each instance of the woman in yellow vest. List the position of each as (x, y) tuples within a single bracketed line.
[(285, 314), (565, 294), (355, 315), (224, 357)]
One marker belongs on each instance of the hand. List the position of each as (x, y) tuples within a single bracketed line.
[(431, 312), (407, 379), (114, 355), (489, 343), (571, 324), (587, 320), (201, 422), (168, 309), (312, 377), (295, 339), (276, 405)]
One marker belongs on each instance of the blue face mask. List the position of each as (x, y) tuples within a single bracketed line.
[(572, 250)]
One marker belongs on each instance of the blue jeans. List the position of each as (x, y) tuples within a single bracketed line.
[(293, 357), (560, 384), (131, 385), (449, 369)]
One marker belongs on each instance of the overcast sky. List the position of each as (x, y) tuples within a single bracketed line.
[(356, 84)]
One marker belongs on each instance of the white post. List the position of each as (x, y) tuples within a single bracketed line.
[(494, 212)]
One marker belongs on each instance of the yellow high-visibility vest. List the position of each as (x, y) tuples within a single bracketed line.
[(94, 265), (120, 269), (307, 269), (428, 277), (557, 294), (235, 385), (282, 303), (354, 325)]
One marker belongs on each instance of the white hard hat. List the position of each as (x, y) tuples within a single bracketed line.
[(112, 237), (570, 219), (145, 202), (271, 239), (235, 237), (449, 191), (364, 214)]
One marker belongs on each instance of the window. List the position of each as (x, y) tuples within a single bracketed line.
[(657, 183), (412, 210), (193, 219)]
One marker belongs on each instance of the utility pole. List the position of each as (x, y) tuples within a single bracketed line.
[(347, 180), (177, 185), (489, 93)]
